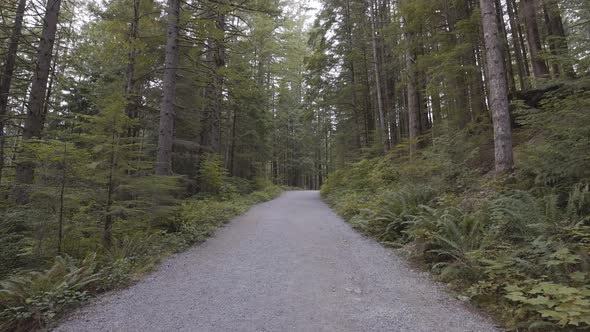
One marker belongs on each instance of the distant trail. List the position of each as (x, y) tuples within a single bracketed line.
[(287, 265)]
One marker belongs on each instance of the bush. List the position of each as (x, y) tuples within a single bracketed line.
[(31, 300), (520, 252), (212, 173), (559, 152)]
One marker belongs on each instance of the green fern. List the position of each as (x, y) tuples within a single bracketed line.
[(458, 235), (29, 301)]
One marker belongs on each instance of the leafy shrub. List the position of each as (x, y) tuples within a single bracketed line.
[(396, 209), (31, 300), (125, 258), (562, 305), (13, 244), (523, 254), (458, 238), (560, 152), (198, 218), (236, 185), (212, 173), (115, 275)]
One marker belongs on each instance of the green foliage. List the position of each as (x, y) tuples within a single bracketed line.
[(559, 149), (198, 218), (562, 305), (212, 173), (523, 254), (13, 243), (31, 300)]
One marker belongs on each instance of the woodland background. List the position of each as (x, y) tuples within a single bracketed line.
[(455, 130)]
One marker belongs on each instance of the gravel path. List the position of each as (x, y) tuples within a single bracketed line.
[(287, 265)]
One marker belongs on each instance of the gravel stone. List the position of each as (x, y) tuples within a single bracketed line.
[(287, 265)]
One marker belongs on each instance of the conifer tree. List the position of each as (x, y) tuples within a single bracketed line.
[(498, 89), (35, 118), (167, 110)]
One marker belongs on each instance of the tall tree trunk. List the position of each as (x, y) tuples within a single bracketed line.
[(413, 103), (370, 116), (60, 220), (131, 90), (35, 118), (377, 69), (518, 51), (540, 69), (167, 109), (107, 234), (232, 153), (216, 58), (457, 93), (387, 78), (521, 39), (6, 78), (505, 47), (353, 78), (498, 88), (557, 39), (476, 85)]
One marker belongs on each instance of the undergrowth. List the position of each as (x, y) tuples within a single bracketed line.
[(35, 299), (517, 245)]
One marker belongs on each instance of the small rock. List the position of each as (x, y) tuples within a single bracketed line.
[(464, 298)]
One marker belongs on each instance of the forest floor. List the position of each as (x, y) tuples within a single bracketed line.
[(290, 264)]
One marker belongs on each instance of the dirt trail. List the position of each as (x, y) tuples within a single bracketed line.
[(287, 265)]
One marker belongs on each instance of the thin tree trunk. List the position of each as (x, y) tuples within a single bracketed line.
[(167, 110), (53, 74), (498, 89), (505, 47), (232, 153), (476, 89), (34, 120), (413, 104), (353, 80), (540, 69), (518, 51), (131, 90), (6, 78), (383, 133), (107, 235), (557, 39), (211, 135), (62, 190), (521, 39)]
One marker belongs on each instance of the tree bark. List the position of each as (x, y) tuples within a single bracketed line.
[(167, 109), (413, 104), (505, 47), (107, 234), (518, 51), (498, 89), (557, 39), (6, 78), (35, 118), (131, 91), (216, 58), (60, 220), (540, 69), (382, 128)]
